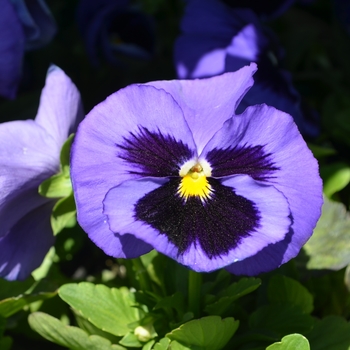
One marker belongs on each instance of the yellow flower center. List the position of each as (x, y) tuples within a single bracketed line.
[(194, 181)]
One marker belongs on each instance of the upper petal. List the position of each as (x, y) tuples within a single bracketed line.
[(28, 156), (137, 130), (11, 49), (296, 171), (208, 103), (60, 109)]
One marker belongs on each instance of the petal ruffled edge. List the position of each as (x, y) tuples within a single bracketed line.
[(28, 156), (119, 206), (208, 103), (95, 168), (60, 109), (297, 177)]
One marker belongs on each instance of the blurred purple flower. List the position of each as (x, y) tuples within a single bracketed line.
[(168, 165), (116, 29), (264, 9), (30, 154), (218, 39), (24, 25)]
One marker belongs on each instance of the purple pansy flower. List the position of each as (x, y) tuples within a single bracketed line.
[(24, 25), (30, 154), (116, 29), (168, 165), (217, 39)]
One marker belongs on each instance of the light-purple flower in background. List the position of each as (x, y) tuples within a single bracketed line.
[(168, 165), (216, 39), (30, 154), (24, 25)]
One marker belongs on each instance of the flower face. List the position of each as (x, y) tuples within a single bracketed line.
[(30, 154), (217, 39), (168, 165)]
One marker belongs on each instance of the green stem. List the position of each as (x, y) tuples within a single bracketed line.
[(141, 274), (194, 292)]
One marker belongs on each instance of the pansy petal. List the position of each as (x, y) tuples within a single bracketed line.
[(60, 109), (26, 244), (28, 156), (137, 131), (208, 103), (295, 171), (204, 227), (11, 49)]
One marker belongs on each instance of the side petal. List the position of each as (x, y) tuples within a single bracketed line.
[(28, 156), (11, 50), (115, 143), (60, 110), (208, 103), (294, 170), (205, 229), (26, 244)]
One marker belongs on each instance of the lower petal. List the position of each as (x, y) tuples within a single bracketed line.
[(26, 244), (240, 219)]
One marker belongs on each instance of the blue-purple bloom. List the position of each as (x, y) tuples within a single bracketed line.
[(217, 39), (169, 165), (115, 29), (30, 154), (24, 25)]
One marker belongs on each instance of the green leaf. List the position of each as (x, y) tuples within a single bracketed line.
[(207, 333), (14, 288), (57, 186), (163, 344), (331, 333), (63, 214), (130, 340), (336, 176), (280, 319), (42, 271), (291, 342), (174, 345), (12, 305), (71, 337), (65, 154), (233, 292), (109, 309), (329, 246), (284, 290), (175, 301), (5, 343), (148, 346)]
